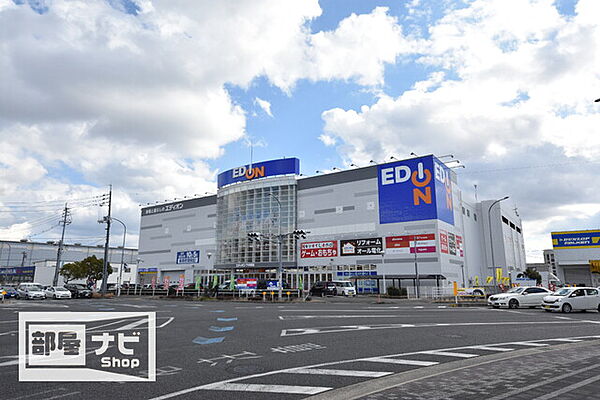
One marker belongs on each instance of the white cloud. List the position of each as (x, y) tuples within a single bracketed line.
[(512, 85), (91, 95), (328, 140), (264, 105)]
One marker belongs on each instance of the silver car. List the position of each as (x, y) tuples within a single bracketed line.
[(57, 292), (31, 291)]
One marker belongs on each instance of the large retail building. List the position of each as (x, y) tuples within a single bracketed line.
[(380, 225)]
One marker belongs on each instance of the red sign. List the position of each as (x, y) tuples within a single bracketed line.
[(459, 248), (154, 282), (409, 244), (181, 282), (443, 242), (166, 282), (319, 249)]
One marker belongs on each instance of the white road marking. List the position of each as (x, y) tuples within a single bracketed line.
[(563, 318), (566, 340), (350, 328), (532, 344), (135, 305), (132, 325), (8, 333), (418, 307), (250, 387), (400, 361), (166, 323), (38, 393), (374, 359), (296, 317), (339, 372), (102, 326), (449, 354), (569, 388), (490, 348), (58, 396)]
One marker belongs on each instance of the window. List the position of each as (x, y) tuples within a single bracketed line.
[(505, 220), (591, 292), (518, 229), (468, 213), (463, 210), (475, 216), (512, 225)]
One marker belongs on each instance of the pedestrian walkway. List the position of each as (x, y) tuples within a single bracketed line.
[(558, 372)]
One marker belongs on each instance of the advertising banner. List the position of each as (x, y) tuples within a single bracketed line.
[(459, 246), (148, 270), (576, 239), (409, 244), (444, 242), (451, 244), (153, 283), (166, 280), (245, 283), (181, 282), (413, 190), (362, 247), (188, 257), (258, 170), (319, 249)]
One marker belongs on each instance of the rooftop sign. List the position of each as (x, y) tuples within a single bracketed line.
[(285, 166)]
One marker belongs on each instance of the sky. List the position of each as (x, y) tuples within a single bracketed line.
[(156, 97)]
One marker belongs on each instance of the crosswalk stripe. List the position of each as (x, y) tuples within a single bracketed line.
[(449, 354), (339, 372), (251, 387), (489, 348), (402, 361), (531, 344)]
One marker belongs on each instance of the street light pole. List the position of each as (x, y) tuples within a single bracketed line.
[(490, 227), (280, 252), (106, 244), (122, 255)]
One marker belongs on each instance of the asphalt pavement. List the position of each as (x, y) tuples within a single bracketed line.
[(246, 350)]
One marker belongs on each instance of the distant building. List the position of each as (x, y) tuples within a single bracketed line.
[(550, 261), (25, 261), (574, 253)]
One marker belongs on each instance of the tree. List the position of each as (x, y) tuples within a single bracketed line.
[(89, 268), (531, 273), (72, 271)]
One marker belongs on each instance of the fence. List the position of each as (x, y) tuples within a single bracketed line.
[(288, 294)]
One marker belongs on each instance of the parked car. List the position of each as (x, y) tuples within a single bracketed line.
[(78, 290), (31, 291), (344, 288), (57, 292), (522, 296), (324, 288), (573, 299), (9, 292)]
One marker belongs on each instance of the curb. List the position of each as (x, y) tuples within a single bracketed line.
[(373, 386)]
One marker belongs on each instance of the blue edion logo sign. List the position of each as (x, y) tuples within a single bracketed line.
[(259, 170), (415, 190)]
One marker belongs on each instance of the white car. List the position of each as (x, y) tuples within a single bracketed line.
[(57, 292), (573, 298), (522, 296), (31, 291), (345, 288)]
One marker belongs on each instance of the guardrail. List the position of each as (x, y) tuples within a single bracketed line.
[(255, 294)]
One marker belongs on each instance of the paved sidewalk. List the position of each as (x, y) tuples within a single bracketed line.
[(565, 374)]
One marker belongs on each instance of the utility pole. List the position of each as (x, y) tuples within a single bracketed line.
[(65, 221), (106, 244)]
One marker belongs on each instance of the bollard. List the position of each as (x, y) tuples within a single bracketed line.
[(288, 295)]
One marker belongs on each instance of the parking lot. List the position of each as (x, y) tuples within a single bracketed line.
[(218, 349)]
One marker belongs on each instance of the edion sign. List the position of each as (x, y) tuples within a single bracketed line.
[(414, 190), (285, 166)]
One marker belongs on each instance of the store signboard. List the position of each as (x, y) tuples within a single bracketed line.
[(413, 190), (362, 247), (147, 270), (319, 249), (410, 244), (285, 166), (188, 257), (576, 239)]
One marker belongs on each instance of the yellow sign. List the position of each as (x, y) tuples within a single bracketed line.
[(476, 281), (455, 288), (498, 274), (489, 279), (595, 266)]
